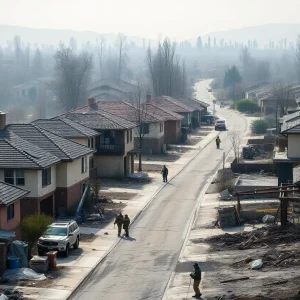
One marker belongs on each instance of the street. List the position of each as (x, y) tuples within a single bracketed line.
[(139, 268)]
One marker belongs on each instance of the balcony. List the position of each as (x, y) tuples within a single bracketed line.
[(113, 149)]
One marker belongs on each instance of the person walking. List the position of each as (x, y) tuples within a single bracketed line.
[(196, 276), (218, 142), (126, 223), (119, 222), (164, 172)]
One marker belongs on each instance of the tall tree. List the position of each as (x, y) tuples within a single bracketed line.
[(232, 77), (297, 53), (121, 45), (199, 43), (72, 77), (37, 64), (263, 71), (100, 50)]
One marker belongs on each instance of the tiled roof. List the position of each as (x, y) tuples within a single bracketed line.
[(62, 148), (192, 103), (171, 104), (121, 109), (10, 193), (291, 123), (19, 154), (204, 104), (163, 113), (100, 120), (65, 128)]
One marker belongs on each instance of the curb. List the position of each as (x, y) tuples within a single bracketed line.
[(136, 216)]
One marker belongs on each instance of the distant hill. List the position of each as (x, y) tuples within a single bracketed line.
[(54, 36), (263, 34)]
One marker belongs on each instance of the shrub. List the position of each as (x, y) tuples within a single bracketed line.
[(259, 126), (32, 227), (247, 105)]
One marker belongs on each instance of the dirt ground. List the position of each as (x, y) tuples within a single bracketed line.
[(117, 195), (278, 278), (150, 168)]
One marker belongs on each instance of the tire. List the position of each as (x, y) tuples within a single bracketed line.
[(66, 252), (76, 245)]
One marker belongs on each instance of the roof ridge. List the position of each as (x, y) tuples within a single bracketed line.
[(22, 151), (66, 121), (114, 116)]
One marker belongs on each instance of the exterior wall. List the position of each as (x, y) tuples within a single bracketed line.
[(196, 119), (33, 182), (129, 146), (13, 223), (293, 146), (109, 166), (154, 130), (172, 132), (187, 119), (151, 145), (83, 141)]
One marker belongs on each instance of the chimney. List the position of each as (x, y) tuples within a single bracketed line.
[(92, 103), (2, 120), (148, 97)]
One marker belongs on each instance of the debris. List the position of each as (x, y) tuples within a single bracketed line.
[(276, 282), (228, 217), (268, 219), (235, 279), (256, 264), (225, 195), (105, 233), (22, 274), (94, 217), (283, 259)]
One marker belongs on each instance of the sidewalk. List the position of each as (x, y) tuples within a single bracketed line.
[(91, 254)]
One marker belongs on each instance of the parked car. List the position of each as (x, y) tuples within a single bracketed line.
[(220, 125), (209, 119), (209, 90), (60, 236)]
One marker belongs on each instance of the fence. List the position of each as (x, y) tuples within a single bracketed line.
[(247, 168)]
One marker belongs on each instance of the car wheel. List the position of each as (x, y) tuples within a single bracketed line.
[(66, 252), (76, 245)]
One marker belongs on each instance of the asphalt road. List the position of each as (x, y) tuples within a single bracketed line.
[(139, 269)]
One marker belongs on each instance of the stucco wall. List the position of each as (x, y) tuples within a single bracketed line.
[(83, 141), (293, 146), (109, 166), (129, 146), (49, 188), (187, 119), (13, 223)]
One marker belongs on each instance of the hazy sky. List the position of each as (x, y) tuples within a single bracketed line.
[(175, 18)]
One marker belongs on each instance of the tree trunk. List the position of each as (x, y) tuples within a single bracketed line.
[(140, 154)]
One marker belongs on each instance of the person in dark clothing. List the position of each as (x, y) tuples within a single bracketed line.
[(119, 222), (218, 142), (164, 172), (196, 275), (126, 223)]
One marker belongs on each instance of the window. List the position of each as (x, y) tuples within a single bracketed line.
[(92, 143), (161, 127), (145, 128), (10, 211), (46, 177), (9, 176), (15, 177), (83, 164), (130, 135), (20, 178)]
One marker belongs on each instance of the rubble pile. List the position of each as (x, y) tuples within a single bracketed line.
[(271, 235), (11, 295)]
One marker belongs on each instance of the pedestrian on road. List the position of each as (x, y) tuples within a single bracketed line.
[(218, 142), (164, 172), (196, 275), (119, 222), (126, 223)]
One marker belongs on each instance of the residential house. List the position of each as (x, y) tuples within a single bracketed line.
[(28, 167), (10, 205), (113, 89), (287, 159), (114, 156), (152, 125), (73, 131), (176, 106), (68, 178)]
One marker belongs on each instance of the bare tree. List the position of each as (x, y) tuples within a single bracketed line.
[(121, 46), (297, 54), (72, 77), (37, 64), (245, 58), (263, 71), (235, 139), (100, 50)]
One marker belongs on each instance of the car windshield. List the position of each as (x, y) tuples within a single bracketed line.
[(221, 122), (56, 231)]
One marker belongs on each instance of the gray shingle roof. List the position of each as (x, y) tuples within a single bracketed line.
[(10, 193), (62, 148), (171, 104), (100, 120), (192, 103), (19, 154), (65, 128)]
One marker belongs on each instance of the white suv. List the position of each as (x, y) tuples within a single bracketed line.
[(59, 236)]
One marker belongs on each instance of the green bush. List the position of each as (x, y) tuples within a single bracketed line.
[(247, 105), (32, 227), (259, 126)]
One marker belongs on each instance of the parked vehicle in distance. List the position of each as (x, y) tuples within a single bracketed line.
[(60, 236), (220, 125), (209, 90), (209, 119)]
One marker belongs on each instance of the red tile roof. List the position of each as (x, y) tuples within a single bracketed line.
[(162, 112), (171, 104)]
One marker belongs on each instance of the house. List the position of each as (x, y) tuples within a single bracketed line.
[(10, 205), (68, 178), (28, 167), (152, 127), (114, 156), (176, 106), (113, 89), (289, 158), (73, 131)]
